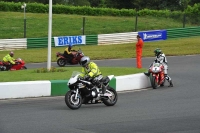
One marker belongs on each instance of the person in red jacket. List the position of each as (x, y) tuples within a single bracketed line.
[(139, 46)]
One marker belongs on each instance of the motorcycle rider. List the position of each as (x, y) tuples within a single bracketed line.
[(161, 58), (8, 60), (68, 54), (90, 70)]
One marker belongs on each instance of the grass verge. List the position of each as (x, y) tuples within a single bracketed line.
[(175, 47), (32, 75)]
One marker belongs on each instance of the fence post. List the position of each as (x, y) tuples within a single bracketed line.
[(24, 28), (83, 25), (136, 19), (184, 18)]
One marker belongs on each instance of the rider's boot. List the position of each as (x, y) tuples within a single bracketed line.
[(69, 60), (88, 95), (169, 80), (170, 84), (103, 90), (147, 73)]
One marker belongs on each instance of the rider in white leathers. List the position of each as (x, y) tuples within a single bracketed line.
[(161, 58)]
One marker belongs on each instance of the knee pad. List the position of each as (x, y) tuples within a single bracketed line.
[(166, 77)]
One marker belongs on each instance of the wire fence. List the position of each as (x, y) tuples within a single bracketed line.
[(66, 25)]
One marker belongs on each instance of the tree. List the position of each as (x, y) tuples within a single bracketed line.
[(79, 2), (119, 4), (183, 4), (97, 3)]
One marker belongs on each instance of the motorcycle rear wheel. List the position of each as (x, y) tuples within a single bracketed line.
[(112, 100), (61, 62), (154, 84), (71, 102), (24, 67)]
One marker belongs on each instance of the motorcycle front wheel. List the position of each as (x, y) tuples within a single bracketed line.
[(71, 102), (112, 100), (61, 62), (154, 84)]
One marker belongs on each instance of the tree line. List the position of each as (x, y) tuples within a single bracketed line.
[(172, 5)]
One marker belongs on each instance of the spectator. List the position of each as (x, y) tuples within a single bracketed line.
[(139, 46)]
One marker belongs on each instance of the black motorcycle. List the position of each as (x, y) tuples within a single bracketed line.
[(85, 92)]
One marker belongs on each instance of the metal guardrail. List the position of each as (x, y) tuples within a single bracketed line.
[(183, 32), (101, 39), (117, 38), (13, 44)]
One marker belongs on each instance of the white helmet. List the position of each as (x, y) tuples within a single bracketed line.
[(11, 53), (84, 61)]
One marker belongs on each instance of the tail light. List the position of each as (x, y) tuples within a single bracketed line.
[(57, 54)]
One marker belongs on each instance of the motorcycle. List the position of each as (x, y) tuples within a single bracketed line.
[(62, 60), (157, 77), (19, 65), (80, 89)]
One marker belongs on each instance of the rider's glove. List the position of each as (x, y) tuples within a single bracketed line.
[(81, 78), (86, 77)]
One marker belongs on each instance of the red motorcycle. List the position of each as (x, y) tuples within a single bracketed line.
[(19, 65), (157, 76), (62, 60)]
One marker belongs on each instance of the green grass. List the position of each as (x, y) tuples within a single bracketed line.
[(175, 47), (37, 26), (12, 24), (32, 75)]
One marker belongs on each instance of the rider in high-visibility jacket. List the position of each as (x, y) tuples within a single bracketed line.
[(91, 70), (8, 60)]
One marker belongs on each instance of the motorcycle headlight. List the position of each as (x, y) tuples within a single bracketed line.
[(155, 70)]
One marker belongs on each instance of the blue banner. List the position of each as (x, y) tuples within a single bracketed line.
[(153, 35), (69, 40)]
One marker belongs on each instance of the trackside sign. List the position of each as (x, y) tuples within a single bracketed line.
[(69, 40), (154, 35)]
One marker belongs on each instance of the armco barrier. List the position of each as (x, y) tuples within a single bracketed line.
[(39, 42), (117, 38), (183, 32), (101, 39), (12, 44), (91, 39), (59, 87)]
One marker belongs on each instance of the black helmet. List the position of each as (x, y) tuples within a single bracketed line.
[(138, 36), (69, 46), (84, 61), (157, 51)]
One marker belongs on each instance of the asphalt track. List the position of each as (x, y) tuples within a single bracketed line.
[(163, 110)]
